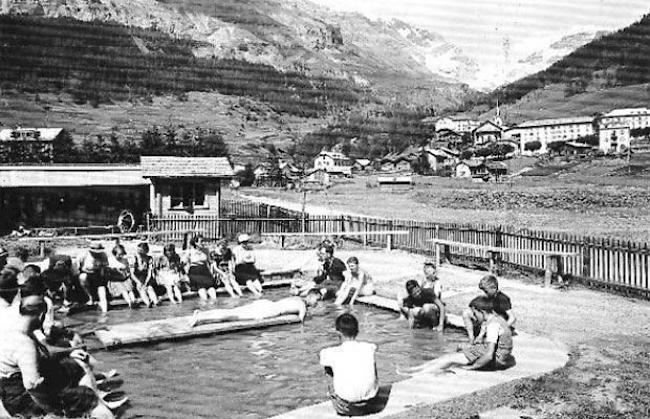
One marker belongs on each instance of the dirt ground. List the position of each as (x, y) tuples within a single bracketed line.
[(596, 200)]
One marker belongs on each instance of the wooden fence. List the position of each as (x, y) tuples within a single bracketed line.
[(602, 262)]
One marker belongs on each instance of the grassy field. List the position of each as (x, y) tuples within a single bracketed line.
[(597, 198)]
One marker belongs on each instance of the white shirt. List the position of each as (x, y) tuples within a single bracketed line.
[(355, 374), (242, 255)]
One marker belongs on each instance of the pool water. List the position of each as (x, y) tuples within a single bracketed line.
[(255, 373)]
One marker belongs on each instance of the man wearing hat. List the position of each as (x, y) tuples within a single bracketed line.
[(92, 277), (246, 273)]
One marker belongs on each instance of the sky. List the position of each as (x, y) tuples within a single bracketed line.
[(482, 27)]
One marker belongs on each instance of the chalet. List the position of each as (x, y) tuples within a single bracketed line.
[(439, 158), (449, 137), (471, 169), (487, 132), (334, 163), (361, 165), (70, 195), (496, 169), (190, 185), (28, 145), (397, 163), (318, 177)]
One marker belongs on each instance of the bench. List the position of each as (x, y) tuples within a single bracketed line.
[(365, 234), (494, 251)]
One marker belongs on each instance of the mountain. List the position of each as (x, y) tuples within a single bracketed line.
[(612, 70), (536, 61), (293, 35)]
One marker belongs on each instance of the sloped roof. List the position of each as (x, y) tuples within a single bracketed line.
[(172, 166), (473, 163), (489, 126), (44, 134), (628, 111), (71, 176), (555, 122), (362, 162)]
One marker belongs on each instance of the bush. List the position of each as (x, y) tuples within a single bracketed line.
[(533, 146)]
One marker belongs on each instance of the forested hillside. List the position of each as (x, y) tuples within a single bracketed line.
[(99, 62)]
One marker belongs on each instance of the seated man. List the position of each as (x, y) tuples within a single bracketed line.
[(422, 307), (329, 276), (353, 369), (502, 306), (494, 353), (32, 383), (257, 310)]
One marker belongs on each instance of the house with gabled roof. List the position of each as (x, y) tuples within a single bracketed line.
[(185, 184)]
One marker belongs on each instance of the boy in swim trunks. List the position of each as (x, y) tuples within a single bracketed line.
[(494, 353)]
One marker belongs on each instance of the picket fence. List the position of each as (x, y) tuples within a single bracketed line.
[(602, 262)]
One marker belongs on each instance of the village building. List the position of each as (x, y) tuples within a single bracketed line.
[(361, 165), (480, 169), (440, 158), (457, 124), (634, 118), (70, 195), (185, 185), (28, 145), (487, 132), (546, 131), (447, 137), (316, 179), (397, 163), (333, 163), (614, 139)]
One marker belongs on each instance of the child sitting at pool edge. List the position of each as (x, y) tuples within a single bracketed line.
[(355, 385)]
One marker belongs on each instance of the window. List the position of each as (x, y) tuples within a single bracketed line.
[(187, 195)]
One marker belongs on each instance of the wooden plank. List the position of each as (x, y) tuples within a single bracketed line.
[(178, 328), (109, 236), (504, 249)]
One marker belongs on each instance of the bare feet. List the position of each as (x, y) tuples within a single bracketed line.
[(194, 320)]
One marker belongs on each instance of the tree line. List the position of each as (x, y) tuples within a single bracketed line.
[(165, 141)]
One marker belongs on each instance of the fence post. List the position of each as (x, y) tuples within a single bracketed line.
[(389, 238), (437, 247), (365, 229)]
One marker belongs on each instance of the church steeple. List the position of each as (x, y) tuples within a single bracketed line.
[(497, 118)]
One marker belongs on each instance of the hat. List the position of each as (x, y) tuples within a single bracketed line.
[(429, 262), (242, 238), (96, 247)]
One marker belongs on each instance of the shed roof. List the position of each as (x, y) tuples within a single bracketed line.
[(171, 166), (71, 176), (43, 134)]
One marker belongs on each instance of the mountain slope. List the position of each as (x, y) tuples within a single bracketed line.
[(293, 35), (610, 62)]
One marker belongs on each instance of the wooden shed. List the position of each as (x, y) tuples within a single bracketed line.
[(185, 184)]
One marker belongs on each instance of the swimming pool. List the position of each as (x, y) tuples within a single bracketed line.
[(255, 373)]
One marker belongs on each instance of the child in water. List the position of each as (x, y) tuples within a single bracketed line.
[(169, 272), (142, 274), (119, 278)]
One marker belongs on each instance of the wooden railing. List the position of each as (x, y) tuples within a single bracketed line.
[(600, 262)]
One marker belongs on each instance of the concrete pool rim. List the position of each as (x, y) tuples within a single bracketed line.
[(536, 356)]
